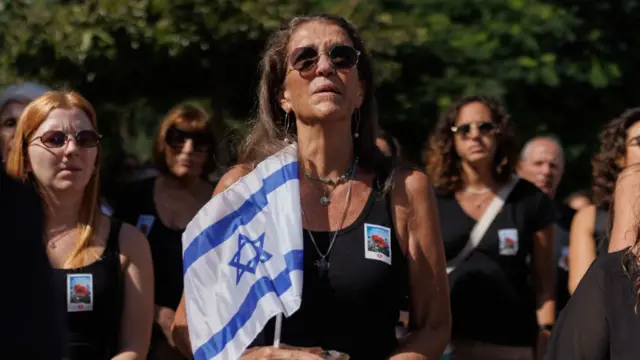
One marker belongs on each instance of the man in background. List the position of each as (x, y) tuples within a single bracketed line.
[(32, 312), (542, 163)]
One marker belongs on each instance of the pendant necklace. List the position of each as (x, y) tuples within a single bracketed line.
[(322, 264), (327, 181)]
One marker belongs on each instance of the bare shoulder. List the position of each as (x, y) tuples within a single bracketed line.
[(133, 244), (411, 184), (232, 176)]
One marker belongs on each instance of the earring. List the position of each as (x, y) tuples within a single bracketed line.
[(287, 124), (357, 116)]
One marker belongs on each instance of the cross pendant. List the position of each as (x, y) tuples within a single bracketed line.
[(323, 267)]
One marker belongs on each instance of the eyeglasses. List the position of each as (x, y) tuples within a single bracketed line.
[(176, 139), (305, 59), (57, 138), (484, 128)]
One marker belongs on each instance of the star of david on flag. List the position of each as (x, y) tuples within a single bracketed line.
[(261, 256), (242, 259)]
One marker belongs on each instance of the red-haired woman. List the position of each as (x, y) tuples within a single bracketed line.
[(103, 267)]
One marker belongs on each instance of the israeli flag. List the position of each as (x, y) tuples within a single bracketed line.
[(243, 259)]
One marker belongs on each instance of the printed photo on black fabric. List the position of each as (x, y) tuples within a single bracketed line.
[(377, 240)]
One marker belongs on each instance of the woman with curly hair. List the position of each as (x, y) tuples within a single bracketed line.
[(609, 293), (619, 147), (492, 222)]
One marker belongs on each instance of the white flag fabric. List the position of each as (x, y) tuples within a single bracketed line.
[(242, 257)]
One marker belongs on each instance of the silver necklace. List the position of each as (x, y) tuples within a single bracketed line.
[(322, 264), (327, 181)]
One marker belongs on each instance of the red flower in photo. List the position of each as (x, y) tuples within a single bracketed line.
[(378, 240), (80, 290)]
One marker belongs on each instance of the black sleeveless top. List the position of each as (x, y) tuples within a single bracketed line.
[(93, 300), (355, 306), (601, 229), (137, 207)]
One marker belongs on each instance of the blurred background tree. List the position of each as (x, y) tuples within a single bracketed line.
[(562, 67)]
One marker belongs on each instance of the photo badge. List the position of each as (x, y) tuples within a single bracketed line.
[(377, 243), (79, 292), (145, 222), (508, 241)]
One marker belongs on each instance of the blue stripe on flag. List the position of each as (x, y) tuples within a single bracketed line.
[(260, 288), (218, 232)]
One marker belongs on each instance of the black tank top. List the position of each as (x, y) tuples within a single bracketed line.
[(93, 299), (601, 229), (137, 207), (355, 306)]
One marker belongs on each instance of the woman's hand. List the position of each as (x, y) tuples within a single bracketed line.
[(284, 352)]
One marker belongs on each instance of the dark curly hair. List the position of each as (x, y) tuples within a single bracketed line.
[(606, 164), (443, 162)]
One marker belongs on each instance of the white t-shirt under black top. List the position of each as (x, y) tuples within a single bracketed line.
[(492, 292)]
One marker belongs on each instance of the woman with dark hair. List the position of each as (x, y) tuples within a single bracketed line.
[(162, 206), (619, 148), (601, 321), (492, 224), (317, 89)]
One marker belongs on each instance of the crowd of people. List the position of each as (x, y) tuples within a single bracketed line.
[(483, 258)]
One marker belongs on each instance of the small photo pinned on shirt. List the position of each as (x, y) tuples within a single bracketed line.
[(563, 261), (79, 292), (377, 243), (145, 222), (508, 242)]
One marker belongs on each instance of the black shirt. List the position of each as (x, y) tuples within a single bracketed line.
[(562, 229), (492, 296), (600, 321), (354, 307), (33, 326), (136, 206), (92, 299)]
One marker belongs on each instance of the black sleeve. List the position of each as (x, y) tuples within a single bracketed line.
[(33, 318), (582, 331)]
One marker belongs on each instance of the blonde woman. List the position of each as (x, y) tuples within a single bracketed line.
[(103, 272)]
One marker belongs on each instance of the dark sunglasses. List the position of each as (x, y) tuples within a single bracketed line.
[(58, 138), (305, 59), (176, 139), (484, 128)]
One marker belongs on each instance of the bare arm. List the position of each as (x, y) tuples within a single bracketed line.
[(544, 273), (582, 245), (137, 316), (418, 228)]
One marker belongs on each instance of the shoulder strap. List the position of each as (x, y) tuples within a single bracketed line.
[(113, 242), (480, 228)]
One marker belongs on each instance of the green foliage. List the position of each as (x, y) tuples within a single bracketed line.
[(562, 68)]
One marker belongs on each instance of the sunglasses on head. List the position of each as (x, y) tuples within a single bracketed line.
[(305, 59), (484, 128), (58, 138), (176, 139)]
